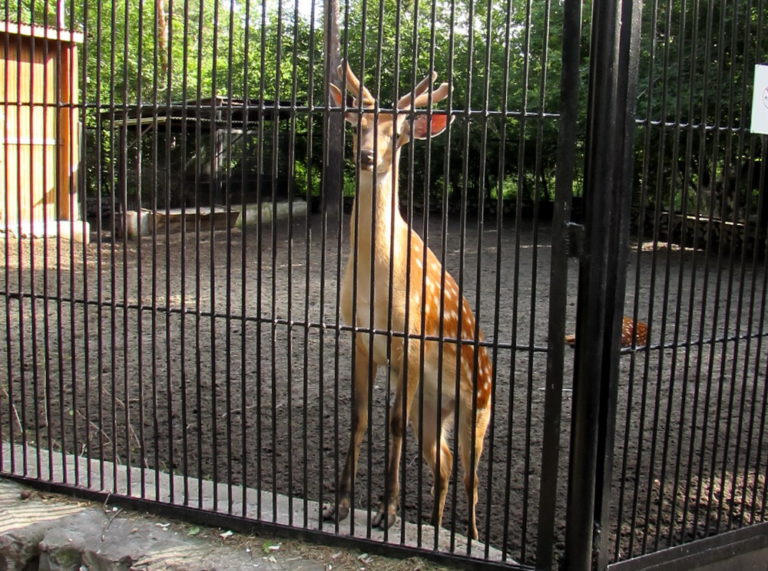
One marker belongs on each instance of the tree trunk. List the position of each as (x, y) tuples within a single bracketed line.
[(333, 165)]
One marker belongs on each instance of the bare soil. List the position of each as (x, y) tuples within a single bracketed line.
[(221, 354)]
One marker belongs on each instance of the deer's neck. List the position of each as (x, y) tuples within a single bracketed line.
[(376, 219)]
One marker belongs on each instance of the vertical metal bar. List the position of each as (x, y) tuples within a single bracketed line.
[(290, 177), (226, 186), (37, 381), (515, 290), (661, 41), (99, 183), (273, 235), (663, 263), (758, 379), (687, 133), (394, 206), (481, 191), (154, 157), (78, 148), (35, 178), (35, 378), (116, 176), (54, 53), (260, 377), (505, 114), (627, 77), (702, 172), (333, 230), (309, 290), (713, 262), (523, 177), (444, 205), (244, 289), (606, 189), (4, 178), (460, 280), (738, 134), (724, 258), (663, 181), (369, 332), (183, 351), (760, 318), (65, 112), (168, 258), (216, 108), (59, 183), (200, 114), (516, 248), (426, 191), (328, 228), (558, 293), (140, 261)]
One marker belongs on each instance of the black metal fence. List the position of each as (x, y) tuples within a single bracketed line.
[(176, 204)]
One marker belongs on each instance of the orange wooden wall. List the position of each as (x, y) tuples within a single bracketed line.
[(39, 142)]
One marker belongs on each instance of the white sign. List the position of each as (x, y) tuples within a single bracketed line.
[(760, 100)]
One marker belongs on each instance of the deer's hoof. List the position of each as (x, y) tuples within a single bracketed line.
[(335, 513), (385, 518)]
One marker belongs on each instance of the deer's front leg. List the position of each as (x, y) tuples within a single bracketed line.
[(365, 372), (406, 390)]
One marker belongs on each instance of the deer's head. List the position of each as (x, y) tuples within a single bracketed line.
[(379, 135)]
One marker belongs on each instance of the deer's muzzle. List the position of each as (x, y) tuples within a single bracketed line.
[(367, 159)]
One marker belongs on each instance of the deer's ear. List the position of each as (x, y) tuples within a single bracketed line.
[(338, 98), (424, 128), (336, 94)]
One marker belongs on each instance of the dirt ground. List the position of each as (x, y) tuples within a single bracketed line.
[(220, 355)]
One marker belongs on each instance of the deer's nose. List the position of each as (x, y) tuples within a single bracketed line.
[(367, 158)]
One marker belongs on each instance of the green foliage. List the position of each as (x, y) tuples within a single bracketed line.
[(694, 98), (502, 58), (308, 179), (36, 12), (498, 57)]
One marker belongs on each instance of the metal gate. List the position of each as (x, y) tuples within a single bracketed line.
[(668, 431), (175, 336)]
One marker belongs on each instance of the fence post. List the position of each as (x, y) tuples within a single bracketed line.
[(607, 197), (558, 294)]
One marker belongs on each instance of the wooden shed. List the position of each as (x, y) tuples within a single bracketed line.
[(39, 131)]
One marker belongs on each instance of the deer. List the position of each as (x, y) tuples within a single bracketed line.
[(393, 282)]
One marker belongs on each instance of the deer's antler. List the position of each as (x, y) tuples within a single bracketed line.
[(420, 96), (354, 86)]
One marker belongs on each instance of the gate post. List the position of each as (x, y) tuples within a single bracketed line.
[(607, 201), (558, 293)]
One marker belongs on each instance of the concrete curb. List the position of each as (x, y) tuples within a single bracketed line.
[(60, 536)]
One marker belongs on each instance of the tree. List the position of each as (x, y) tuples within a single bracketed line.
[(333, 167)]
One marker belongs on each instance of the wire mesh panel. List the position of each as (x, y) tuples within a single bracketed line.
[(689, 460), (173, 325)]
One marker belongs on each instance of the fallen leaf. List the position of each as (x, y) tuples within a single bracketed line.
[(268, 547)]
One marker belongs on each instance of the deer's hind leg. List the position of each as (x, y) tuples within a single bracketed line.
[(473, 425), (435, 451)]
